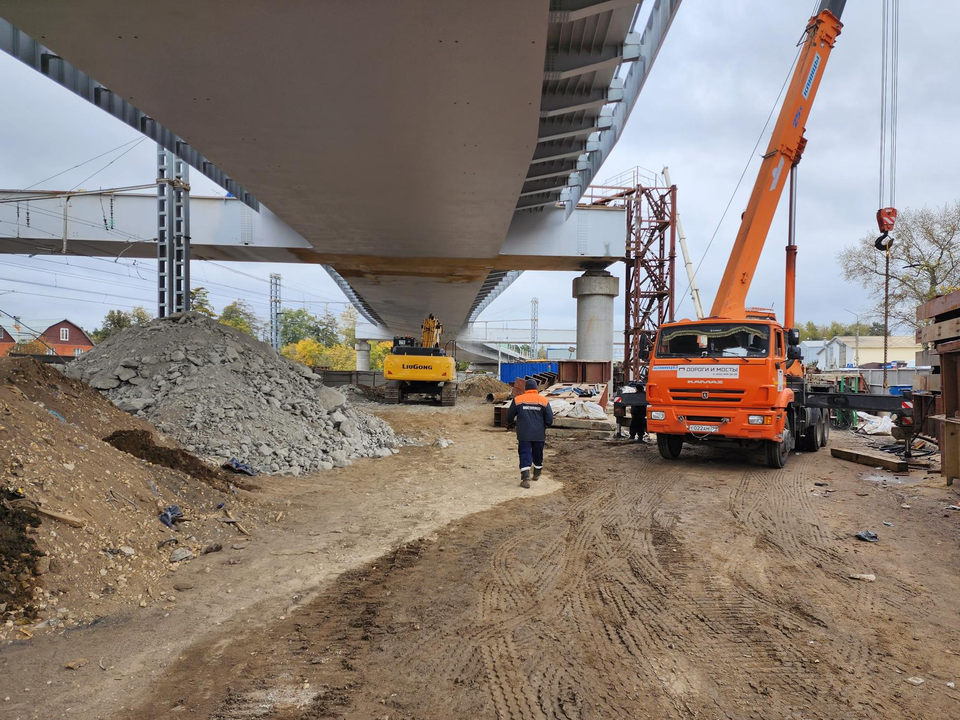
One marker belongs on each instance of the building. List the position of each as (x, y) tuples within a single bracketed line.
[(7, 341), (66, 340), (841, 351), (811, 349)]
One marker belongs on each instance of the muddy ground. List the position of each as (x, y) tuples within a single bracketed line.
[(713, 587)]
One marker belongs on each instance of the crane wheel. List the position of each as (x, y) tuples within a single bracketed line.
[(669, 446)]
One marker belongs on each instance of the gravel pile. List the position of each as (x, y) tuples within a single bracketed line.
[(222, 394)]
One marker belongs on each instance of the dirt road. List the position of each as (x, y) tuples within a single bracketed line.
[(709, 588)]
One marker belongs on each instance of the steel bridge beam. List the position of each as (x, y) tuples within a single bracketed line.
[(24, 48)]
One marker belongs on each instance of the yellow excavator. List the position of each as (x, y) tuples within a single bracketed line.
[(416, 369)]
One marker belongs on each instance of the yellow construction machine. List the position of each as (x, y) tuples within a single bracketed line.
[(416, 369)]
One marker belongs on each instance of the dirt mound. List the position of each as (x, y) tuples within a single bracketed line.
[(480, 386), (140, 443), (223, 394), (50, 431), (18, 552)]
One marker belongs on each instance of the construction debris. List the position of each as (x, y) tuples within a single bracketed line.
[(873, 459), (224, 395)]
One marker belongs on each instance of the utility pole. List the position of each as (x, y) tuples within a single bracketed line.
[(856, 349), (535, 326), (275, 311)]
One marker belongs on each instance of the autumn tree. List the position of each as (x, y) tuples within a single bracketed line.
[(30, 347), (239, 315), (200, 302), (924, 262), (378, 351)]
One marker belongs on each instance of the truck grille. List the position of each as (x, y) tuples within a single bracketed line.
[(713, 395)]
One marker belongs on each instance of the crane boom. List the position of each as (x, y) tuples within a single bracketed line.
[(785, 148)]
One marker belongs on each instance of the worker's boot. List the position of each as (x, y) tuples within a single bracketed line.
[(525, 478), (537, 471)]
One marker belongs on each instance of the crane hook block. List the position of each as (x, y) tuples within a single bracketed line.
[(886, 219)]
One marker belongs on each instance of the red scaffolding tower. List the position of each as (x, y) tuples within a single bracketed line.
[(649, 256)]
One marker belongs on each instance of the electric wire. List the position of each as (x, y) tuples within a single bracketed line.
[(134, 147), (85, 162)]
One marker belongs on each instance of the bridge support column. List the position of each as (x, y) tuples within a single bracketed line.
[(595, 291), (363, 355)]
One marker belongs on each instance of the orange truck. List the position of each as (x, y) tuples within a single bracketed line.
[(736, 377)]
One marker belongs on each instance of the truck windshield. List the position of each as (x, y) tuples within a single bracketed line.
[(714, 340)]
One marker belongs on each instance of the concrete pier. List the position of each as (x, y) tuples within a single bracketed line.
[(363, 355), (595, 291)]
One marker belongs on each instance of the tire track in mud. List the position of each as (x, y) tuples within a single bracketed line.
[(648, 592)]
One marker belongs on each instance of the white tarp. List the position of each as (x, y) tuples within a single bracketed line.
[(873, 425)]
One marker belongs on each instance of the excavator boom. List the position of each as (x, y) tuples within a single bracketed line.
[(785, 148)]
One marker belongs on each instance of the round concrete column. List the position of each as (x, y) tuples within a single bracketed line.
[(595, 291), (363, 355)]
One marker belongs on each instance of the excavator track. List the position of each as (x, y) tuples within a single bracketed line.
[(391, 393), (448, 396)]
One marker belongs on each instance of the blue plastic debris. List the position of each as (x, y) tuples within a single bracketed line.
[(170, 514)]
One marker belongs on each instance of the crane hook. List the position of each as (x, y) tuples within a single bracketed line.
[(886, 219)]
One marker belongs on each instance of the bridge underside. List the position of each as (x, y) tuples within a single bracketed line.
[(396, 139)]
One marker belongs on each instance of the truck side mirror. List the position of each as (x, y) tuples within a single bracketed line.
[(793, 337), (794, 352), (644, 349)]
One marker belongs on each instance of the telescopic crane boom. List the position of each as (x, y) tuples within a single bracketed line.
[(785, 148)]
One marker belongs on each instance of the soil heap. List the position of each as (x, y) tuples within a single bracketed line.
[(103, 548), (482, 385), (223, 394)]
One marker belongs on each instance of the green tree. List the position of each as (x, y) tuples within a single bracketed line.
[(239, 315), (200, 302), (296, 325), (348, 325), (924, 262), (116, 320)]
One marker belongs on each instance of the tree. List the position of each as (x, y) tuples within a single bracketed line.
[(239, 315), (200, 302), (378, 351), (31, 347), (296, 325), (307, 351), (924, 262), (310, 352), (811, 331), (116, 320), (348, 325)]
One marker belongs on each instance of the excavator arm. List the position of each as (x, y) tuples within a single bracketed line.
[(785, 148)]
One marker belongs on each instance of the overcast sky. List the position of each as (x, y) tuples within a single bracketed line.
[(701, 113)]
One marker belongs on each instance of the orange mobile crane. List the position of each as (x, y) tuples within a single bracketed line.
[(737, 375)]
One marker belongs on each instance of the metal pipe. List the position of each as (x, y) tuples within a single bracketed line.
[(790, 284), (691, 277)]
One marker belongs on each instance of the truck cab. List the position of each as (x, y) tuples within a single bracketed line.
[(737, 382)]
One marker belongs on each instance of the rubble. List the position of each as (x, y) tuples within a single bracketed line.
[(223, 394)]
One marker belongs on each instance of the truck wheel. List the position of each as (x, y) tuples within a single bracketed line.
[(825, 435), (778, 452), (669, 445), (811, 441)]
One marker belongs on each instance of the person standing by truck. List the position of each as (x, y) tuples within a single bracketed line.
[(532, 413)]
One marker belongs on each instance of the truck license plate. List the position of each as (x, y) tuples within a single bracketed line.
[(703, 428)]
